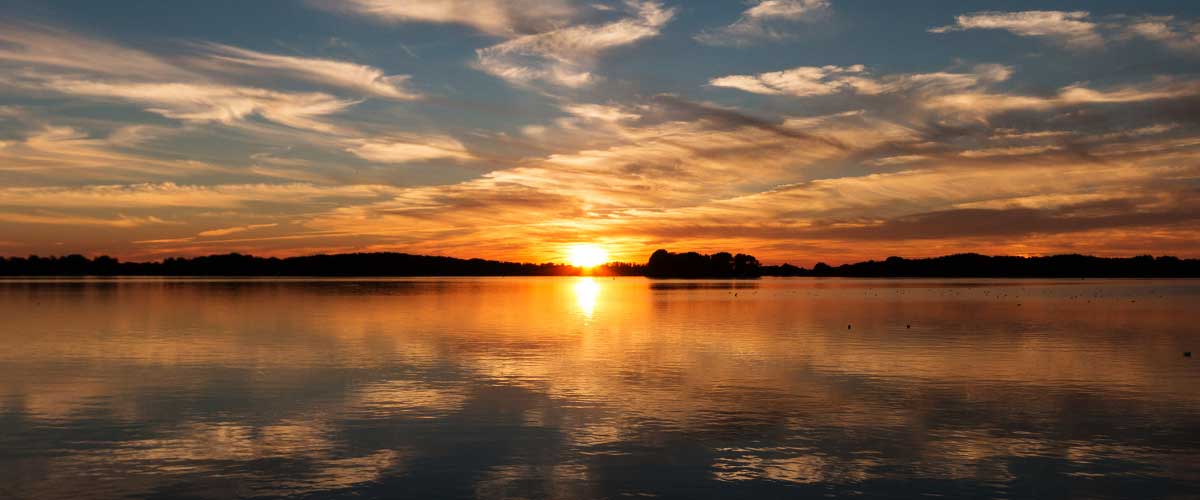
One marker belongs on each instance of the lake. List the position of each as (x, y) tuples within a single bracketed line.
[(581, 388)]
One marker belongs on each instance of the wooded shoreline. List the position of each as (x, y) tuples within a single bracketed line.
[(662, 264)]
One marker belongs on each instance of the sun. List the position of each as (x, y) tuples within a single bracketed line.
[(586, 255)]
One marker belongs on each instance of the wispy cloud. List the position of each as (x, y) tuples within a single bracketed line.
[(55, 153), (1080, 30), (407, 149), (192, 89), (564, 56), (205, 103), (984, 103), (495, 17), (203, 89), (357, 77), (49, 46), (160, 87), (808, 81), (60, 219), (952, 97), (149, 196), (600, 112), (1167, 30), (544, 41), (1071, 29), (226, 231), (766, 20)]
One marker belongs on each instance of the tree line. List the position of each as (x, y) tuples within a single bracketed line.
[(661, 264), (234, 264)]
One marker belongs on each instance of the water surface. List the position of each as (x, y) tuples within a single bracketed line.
[(576, 388)]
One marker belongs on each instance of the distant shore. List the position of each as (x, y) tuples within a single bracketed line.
[(662, 264)]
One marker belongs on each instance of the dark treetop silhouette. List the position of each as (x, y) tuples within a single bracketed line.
[(662, 264)]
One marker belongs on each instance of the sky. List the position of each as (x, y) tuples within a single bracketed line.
[(795, 130)]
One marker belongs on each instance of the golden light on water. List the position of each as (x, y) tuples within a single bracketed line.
[(586, 255), (586, 293)]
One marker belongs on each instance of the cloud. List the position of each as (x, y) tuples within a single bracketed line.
[(784, 9), (563, 56), (727, 119), (1009, 151), (364, 79), (59, 219), (232, 230), (205, 103), (55, 153), (949, 98), (190, 95), (164, 88), (495, 17), (412, 148), (600, 112), (1071, 29), (185, 89), (1078, 30), (157, 196), (809, 81), (48, 46), (923, 203), (1009, 134), (763, 20), (803, 81), (982, 104), (1012, 222), (1172, 33), (542, 42)]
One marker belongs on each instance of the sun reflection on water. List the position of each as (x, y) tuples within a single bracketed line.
[(586, 293)]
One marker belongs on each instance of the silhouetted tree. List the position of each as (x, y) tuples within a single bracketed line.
[(664, 264), (722, 264), (745, 265)]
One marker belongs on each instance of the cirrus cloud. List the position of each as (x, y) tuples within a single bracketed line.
[(204, 103), (563, 56), (495, 17), (808, 81), (1171, 32), (226, 231), (365, 79), (764, 22), (1071, 29), (408, 149)]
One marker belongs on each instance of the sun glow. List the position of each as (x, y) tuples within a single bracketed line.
[(586, 293), (586, 255)]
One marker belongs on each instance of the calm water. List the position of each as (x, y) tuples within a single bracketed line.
[(578, 388)]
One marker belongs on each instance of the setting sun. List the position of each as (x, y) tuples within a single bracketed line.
[(586, 255)]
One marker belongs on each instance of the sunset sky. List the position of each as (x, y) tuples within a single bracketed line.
[(795, 130)]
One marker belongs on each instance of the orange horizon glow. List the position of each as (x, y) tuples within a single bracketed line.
[(1126, 245), (586, 255)]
